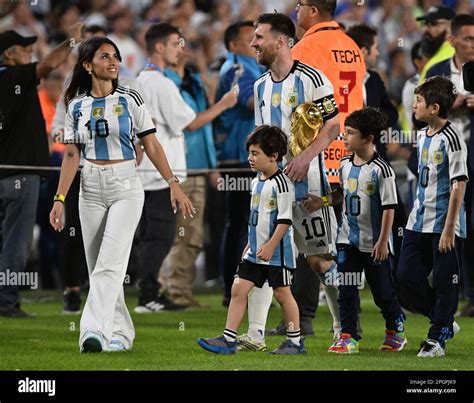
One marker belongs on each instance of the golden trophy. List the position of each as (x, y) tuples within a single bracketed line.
[(306, 122)]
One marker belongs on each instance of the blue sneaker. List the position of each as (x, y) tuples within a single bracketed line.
[(290, 348), (116, 346), (218, 345)]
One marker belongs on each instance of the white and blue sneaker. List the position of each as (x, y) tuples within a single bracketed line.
[(93, 343), (430, 348), (116, 346)]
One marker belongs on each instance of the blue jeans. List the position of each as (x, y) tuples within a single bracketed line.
[(18, 201)]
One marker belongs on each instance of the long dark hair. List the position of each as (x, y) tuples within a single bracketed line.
[(81, 81)]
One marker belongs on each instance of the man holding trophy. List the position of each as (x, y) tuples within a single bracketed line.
[(298, 99)]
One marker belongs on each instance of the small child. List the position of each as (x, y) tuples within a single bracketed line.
[(270, 254), (367, 188), (431, 242)]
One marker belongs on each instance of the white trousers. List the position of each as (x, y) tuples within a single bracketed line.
[(110, 205)]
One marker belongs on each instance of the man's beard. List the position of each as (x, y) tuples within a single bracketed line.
[(430, 44)]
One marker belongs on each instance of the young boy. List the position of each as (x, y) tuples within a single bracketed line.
[(437, 220), (270, 254), (364, 234)]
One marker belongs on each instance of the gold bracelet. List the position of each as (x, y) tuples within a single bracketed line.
[(60, 198), (325, 201)]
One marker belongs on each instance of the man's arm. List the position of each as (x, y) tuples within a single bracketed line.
[(299, 167), (59, 54)]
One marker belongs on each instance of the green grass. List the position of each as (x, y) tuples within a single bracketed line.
[(167, 341)]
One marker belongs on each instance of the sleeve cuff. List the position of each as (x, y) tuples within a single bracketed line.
[(284, 221), (389, 206), (460, 178), (146, 133)]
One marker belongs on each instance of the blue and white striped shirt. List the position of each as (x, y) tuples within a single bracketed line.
[(106, 127), (271, 204), (442, 159)]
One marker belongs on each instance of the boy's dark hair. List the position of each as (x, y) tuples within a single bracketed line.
[(270, 139), (460, 21), (362, 35), (369, 121), (438, 90), (280, 23), (233, 31), (159, 33)]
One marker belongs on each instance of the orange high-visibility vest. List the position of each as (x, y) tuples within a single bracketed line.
[(327, 48)]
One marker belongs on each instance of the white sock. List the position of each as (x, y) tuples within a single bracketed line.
[(332, 293), (294, 336), (259, 303)]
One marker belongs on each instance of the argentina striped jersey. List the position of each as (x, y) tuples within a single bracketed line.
[(368, 189), (271, 204), (442, 159), (275, 102), (106, 127)]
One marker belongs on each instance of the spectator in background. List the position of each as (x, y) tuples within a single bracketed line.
[(23, 141), (122, 28), (397, 75), (462, 115), (232, 129), (63, 15), (200, 155), (435, 44)]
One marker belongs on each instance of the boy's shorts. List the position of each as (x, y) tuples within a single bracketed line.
[(259, 273)]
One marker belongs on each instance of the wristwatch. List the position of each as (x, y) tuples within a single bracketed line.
[(172, 179)]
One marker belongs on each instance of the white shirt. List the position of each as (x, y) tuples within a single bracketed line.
[(460, 117), (171, 114)]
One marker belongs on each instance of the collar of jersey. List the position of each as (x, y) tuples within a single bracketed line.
[(88, 93), (293, 68), (367, 163), (439, 131), (319, 25), (271, 177)]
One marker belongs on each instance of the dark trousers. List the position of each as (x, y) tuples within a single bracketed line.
[(468, 250), (18, 202), (305, 288), (420, 257), (156, 233), (350, 263), (236, 229), (73, 258)]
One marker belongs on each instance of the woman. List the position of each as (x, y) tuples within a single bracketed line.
[(104, 119)]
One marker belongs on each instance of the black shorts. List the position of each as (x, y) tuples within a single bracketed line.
[(259, 273)]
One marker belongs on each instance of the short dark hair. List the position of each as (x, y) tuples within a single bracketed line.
[(233, 31), (363, 35), (93, 29), (271, 139), (159, 33), (460, 21), (438, 90), (280, 23), (416, 52), (369, 121), (325, 7)]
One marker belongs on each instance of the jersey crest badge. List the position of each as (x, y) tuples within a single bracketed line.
[(276, 99), (369, 188), (438, 157), (292, 100), (98, 112), (352, 185), (271, 203), (118, 109), (328, 105)]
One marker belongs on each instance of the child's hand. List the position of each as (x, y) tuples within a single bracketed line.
[(265, 252), (380, 251), (312, 202), (446, 242)]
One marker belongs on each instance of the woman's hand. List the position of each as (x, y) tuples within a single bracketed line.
[(178, 197), (55, 216)]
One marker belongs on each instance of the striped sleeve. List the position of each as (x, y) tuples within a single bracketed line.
[(285, 196), (387, 185), (457, 154)]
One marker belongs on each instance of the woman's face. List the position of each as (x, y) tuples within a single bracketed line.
[(105, 64)]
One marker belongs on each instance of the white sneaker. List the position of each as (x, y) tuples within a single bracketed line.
[(430, 348), (116, 346), (245, 343), (456, 328), (150, 307)]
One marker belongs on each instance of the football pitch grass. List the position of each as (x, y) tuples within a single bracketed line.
[(167, 341)]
